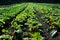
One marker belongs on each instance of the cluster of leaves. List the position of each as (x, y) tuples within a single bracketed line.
[(5, 37)]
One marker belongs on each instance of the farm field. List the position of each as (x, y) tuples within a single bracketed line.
[(30, 21)]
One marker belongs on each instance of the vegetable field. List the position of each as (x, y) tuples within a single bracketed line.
[(30, 21)]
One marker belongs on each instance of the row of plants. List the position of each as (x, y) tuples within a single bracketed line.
[(28, 24), (6, 15), (25, 24), (13, 11), (10, 11), (51, 15)]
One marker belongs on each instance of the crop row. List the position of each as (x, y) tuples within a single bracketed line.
[(51, 15), (27, 23), (6, 16), (19, 22)]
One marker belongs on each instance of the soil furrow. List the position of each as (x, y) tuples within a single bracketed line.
[(45, 27)]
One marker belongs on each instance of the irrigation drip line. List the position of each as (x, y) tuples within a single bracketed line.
[(45, 27)]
